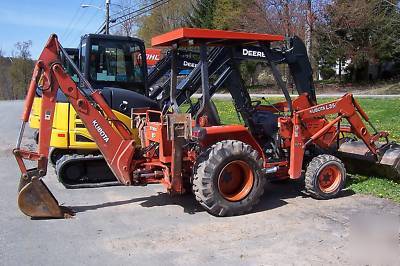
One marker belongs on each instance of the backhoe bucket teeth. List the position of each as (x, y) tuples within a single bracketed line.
[(36, 200), (359, 160)]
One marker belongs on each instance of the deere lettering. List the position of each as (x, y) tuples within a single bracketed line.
[(189, 64), (253, 53), (323, 108), (101, 131)]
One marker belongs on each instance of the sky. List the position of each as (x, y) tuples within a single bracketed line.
[(35, 20)]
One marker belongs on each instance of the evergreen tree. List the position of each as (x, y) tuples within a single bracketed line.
[(228, 14), (203, 14)]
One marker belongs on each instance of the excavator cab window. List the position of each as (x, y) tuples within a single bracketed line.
[(114, 61), (117, 62), (73, 53)]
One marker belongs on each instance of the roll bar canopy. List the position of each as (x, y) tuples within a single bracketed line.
[(195, 37)]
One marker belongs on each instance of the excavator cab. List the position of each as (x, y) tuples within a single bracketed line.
[(114, 61)]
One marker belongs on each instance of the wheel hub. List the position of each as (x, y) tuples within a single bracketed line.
[(329, 178), (235, 180)]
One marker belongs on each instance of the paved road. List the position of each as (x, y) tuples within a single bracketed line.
[(144, 226)]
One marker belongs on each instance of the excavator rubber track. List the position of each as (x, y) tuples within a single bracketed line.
[(359, 160), (84, 171)]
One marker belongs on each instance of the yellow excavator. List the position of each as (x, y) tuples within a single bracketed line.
[(114, 65)]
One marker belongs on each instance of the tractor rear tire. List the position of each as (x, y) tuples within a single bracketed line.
[(228, 179), (325, 177)]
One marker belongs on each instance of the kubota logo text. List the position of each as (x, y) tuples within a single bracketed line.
[(323, 108), (101, 131)]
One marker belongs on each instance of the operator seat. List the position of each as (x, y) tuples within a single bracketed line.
[(265, 122)]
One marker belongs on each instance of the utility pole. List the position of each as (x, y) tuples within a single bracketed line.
[(107, 17)]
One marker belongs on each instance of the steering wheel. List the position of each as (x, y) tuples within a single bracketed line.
[(256, 103)]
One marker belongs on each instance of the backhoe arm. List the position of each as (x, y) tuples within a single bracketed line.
[(115, 143), (112, 138)]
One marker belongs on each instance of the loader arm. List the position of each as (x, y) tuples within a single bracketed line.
[(345, 108), (113, 139)]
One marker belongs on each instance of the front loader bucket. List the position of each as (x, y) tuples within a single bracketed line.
[(359, 160), (36, 200)]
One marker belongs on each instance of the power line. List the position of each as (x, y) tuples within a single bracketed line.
[(123, 9), (142, 11), (73, 19), (101, 28), (144, 8), (91, 18), (77, 20), (160, 3)]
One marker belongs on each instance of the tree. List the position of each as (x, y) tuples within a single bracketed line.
[(129, 22), (171, 15), (203, 14), (227, 14), (309, 27), (21, 68), (5, 82), (362, 31)]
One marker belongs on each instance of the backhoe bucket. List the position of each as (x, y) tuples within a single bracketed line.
[(359, 160), (36, 200)]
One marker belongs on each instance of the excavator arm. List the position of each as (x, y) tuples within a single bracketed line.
[(112, 137)]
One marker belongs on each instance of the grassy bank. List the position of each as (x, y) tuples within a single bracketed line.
[(384, 113)]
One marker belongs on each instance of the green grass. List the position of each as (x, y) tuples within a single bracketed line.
[(378, 187), (383, 113)]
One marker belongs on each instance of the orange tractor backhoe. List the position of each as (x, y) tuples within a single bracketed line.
[(226, 166)]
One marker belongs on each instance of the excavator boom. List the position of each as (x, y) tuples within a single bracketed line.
[(113, 139)]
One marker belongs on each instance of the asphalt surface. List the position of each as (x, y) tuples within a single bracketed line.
[(144, 226)]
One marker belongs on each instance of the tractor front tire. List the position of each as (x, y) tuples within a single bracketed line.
[(325, 177), (228, 179)]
